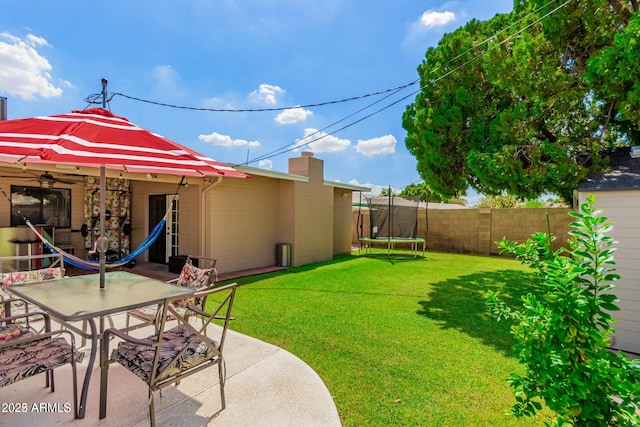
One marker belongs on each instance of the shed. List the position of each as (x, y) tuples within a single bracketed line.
[(617, 193)]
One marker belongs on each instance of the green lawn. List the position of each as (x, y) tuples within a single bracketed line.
[(397, 342)]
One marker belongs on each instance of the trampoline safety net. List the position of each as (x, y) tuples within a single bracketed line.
[(393, 217)]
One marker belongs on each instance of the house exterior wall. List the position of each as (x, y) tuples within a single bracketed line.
[(77, 218), (341, 221), (245, 219), (287, 215), (237, 221), (622, 208), (313, 212), (241, 223)]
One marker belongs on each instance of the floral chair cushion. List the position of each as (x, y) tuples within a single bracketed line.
[(194, 278), (139, 358), (11, 331), (17, 277), (190, 277)]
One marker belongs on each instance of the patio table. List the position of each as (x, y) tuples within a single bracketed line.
[(72, 299)]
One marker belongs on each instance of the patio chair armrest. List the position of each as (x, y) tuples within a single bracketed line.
[(6, 304), (37, 337), (205, 314), (120, 334), (11, 319), (11, 299), (213, 289)]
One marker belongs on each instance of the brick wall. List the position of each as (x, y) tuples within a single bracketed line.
[(475, 231)]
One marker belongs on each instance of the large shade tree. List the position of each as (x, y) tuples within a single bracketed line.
[(528, 102)]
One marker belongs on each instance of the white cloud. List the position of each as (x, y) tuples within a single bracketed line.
[(381, 145), (266, 94), (265, 164), (293, 115), (165, 75), (37, 41), (218, 102), (431, 18), (24, 72), (226, 141), (321, 142), (376, 190)]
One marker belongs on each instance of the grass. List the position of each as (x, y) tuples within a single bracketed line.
[(397, 342)]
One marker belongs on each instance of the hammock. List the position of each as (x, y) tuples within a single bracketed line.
[(95, 265)]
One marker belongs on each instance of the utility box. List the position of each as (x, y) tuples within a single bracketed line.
[(283, 254)]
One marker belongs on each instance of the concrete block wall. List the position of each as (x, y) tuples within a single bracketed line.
[(475, 231)]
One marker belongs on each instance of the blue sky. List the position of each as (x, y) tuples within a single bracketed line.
[(244, 54)]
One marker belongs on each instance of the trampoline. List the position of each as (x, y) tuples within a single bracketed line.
[(393, 223)]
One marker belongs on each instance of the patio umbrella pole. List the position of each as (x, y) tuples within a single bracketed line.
[(102, 239)]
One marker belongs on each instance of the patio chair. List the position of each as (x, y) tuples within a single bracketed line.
[(201, 276), (172, 354), (25, 352), (39, 268), (47, 267)]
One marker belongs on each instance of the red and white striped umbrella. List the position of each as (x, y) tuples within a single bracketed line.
[(96, 137)]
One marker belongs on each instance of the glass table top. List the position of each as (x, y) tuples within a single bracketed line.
[(80, 297)]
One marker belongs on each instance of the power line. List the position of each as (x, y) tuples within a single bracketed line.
[(391, 91), (255, 110), (282, 150), (279, 151)]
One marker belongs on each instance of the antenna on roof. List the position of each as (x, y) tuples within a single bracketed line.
[(104, 93)]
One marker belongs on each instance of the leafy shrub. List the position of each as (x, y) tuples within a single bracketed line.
[(562, 337)]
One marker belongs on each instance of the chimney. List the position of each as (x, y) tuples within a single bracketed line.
[(309, 166), (3, 108)]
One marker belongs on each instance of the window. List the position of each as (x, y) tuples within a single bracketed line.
[(41, 206)]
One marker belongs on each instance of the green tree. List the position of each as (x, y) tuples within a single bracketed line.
[(426, 194), (520, 114), (501, 201), (412, 190), (562, 337)]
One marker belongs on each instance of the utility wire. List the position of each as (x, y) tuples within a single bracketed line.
[(255, 110), (391, 91), (97, 98), (431, 82), (278, 152)]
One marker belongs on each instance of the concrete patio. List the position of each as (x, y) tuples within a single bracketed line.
[(265, 386)]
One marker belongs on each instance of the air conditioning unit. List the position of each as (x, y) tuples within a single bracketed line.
[(635, 151)]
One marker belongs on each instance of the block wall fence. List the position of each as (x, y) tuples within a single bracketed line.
[(475, 231)]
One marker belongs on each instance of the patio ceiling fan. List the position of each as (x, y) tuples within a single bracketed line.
[(46, 180)]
